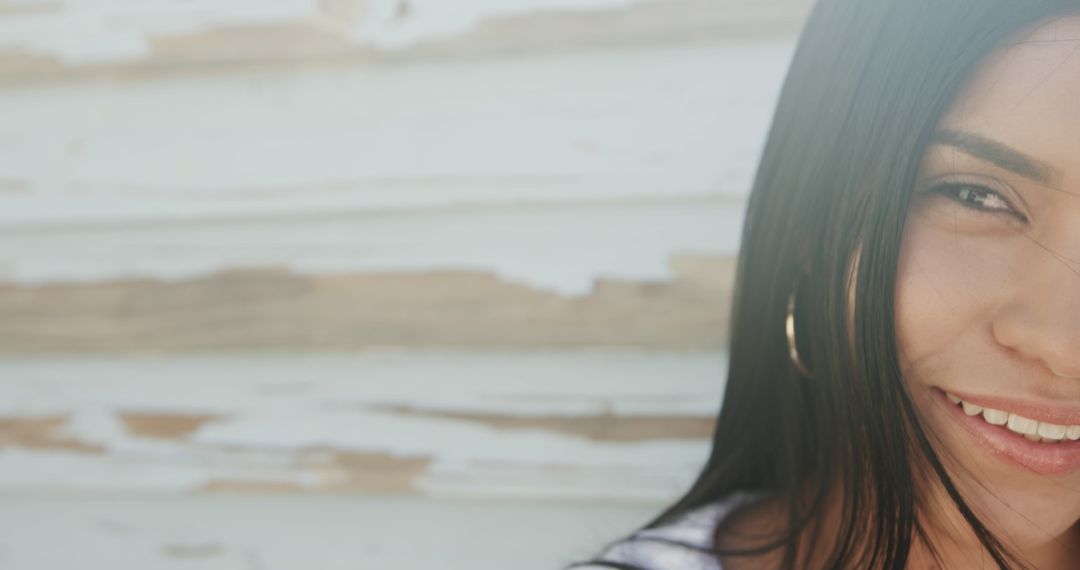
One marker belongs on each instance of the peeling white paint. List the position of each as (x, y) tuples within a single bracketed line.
[(91, 31), (390, 26), (518, 382), (87, 31), (598, 165), (24, 471), (324, 533), (274, 407), (562, 249), (662, 122)]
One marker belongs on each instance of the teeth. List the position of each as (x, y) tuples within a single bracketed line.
[(1031, 429), (1022, 425), (997, 417), (1052, 431)]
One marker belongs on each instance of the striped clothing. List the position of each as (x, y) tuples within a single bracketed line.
[(683, 544)]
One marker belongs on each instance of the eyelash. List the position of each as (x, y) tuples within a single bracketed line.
[(954, 191)]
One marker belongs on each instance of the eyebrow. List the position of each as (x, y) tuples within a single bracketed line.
[(998, 154)]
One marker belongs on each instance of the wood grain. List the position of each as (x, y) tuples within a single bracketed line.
[(275, 310), (165, 37), (483, 423)]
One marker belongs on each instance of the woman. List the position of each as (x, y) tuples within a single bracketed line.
[(904, 381)]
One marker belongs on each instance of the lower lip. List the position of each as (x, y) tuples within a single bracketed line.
[(1059, 458)]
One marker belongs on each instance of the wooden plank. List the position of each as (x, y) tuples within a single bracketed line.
[(285, 533), (278, 310), (629, 124), (113, 201), (562, 248), (584, 424), (564, 199), (54, 40), (103, 188)]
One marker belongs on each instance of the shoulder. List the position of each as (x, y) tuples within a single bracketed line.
[(683, 544)]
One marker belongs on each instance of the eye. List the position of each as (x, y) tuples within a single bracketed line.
[(977, 197)]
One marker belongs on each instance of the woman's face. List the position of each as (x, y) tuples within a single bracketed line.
[(988, 290)]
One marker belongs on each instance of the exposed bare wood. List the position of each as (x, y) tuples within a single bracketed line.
[(321, 38), (478, 422), (337, 471), (163, 425), (606, 427), (17, 9), (41, 433), (271, 309), (296, 41), (250, 486), (350, 471)]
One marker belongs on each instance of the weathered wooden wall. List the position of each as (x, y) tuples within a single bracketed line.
[(472, 249), (61, 39)]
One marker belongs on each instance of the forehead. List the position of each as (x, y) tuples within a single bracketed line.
[(1027, 95)]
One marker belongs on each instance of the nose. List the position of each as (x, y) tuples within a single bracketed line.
[(1042, 322)]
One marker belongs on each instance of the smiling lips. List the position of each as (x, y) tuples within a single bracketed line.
[(1034, 445), (1033, 430)]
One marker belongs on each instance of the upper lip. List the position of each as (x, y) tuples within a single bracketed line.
[(1053, 413)]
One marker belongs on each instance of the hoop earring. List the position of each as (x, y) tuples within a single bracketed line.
[(789, 326)]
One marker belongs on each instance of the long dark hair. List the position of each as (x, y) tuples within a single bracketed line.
[(869, 83)]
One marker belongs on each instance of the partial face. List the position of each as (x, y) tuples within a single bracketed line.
[(988, 292)]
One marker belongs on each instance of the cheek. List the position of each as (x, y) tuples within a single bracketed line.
[(944, 295)]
